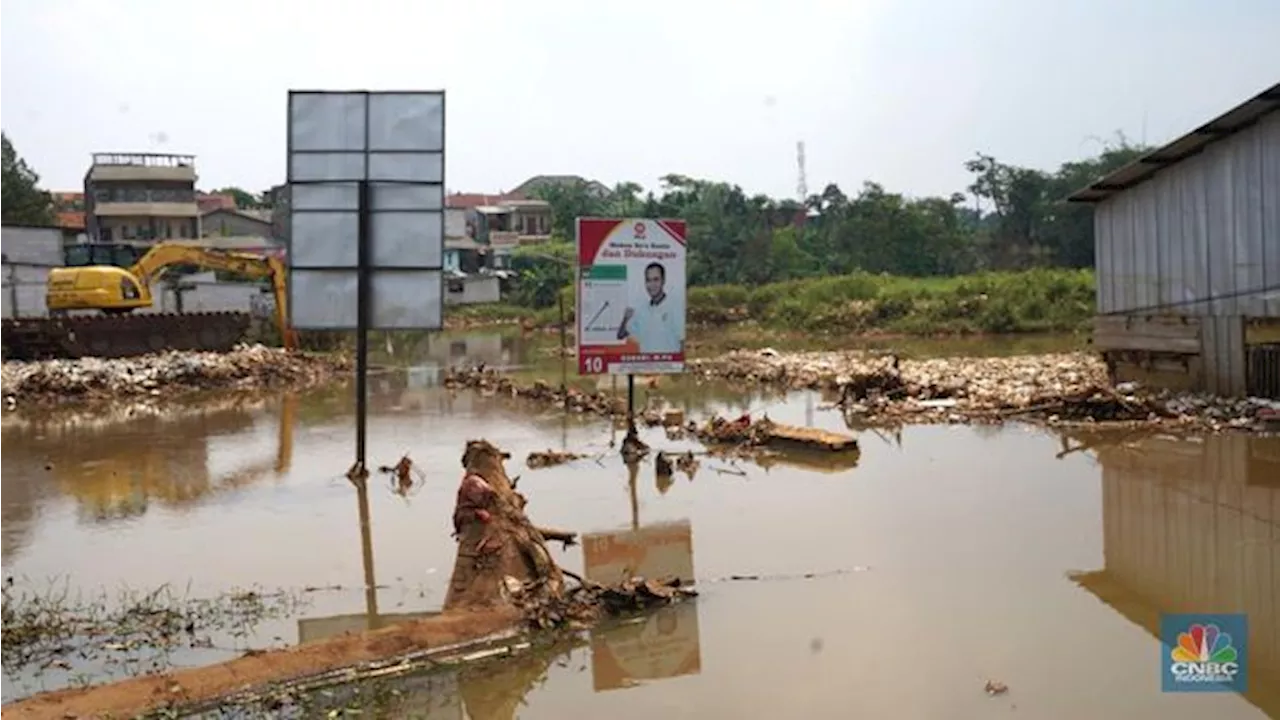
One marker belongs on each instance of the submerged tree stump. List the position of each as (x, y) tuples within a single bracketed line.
[(496, 540)]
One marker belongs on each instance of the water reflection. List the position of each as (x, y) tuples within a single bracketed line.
[(662, 645), (1193, 525), (116, 471)]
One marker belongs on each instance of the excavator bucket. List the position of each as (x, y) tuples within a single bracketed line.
[(111, 336)]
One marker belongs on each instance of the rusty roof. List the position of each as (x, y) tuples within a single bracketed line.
[(470, 201), (70, 219), (1225, 125)]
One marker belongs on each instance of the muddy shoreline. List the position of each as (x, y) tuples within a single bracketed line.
[(153, 381)]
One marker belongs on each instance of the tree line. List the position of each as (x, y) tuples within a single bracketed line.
[(1008, 218)]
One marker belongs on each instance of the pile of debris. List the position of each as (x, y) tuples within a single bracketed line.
[(550, 458), (1057, 388), (491, 382), (589, 602), (247, 366)]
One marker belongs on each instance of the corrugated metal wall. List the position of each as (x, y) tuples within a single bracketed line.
[(1186, 527), (1208, 227), (1201, 238)]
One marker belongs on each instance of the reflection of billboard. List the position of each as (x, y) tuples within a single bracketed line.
[(666, 645), (312, 629), (663, 550)]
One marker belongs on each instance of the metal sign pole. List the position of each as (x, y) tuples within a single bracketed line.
[(631, 406), (362, 327)]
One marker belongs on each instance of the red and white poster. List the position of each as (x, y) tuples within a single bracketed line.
[(631, 296)]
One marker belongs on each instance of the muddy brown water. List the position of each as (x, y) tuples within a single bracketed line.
[(946, 557)]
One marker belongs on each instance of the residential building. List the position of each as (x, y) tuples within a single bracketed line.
[(141, 196), (209, 202), (278, 197), (530, 187), (68, 210), (503, 228), (229, 222), (1188, 270)]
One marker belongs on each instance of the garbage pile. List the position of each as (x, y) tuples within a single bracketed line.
[(1055, 388), (549, 458), (589, 602), (247, 366), (740, 431), (490, 382)]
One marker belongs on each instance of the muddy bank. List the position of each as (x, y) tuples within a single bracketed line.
[(150, 378), (1060, 388)]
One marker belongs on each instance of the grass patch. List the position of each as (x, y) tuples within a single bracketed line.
[(1032, 301), (1042, 300), (128, 634)]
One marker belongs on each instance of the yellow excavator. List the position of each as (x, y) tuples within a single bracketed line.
[(115, 292)]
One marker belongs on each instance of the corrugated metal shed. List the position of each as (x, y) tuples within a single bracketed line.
[(1190, 233), (1229, 123)]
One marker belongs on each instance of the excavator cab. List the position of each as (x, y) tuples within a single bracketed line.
[(110, 254), (112, 290)]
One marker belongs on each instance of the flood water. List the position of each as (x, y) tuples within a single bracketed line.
[(946, 557)]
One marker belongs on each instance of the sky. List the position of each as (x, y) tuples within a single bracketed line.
[(898, 92)]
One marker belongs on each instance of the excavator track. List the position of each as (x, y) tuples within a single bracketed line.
[(114, 336)]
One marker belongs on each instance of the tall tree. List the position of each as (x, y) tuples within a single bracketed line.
[(24, 202)]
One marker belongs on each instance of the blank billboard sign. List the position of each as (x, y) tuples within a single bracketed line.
[(394, 143)]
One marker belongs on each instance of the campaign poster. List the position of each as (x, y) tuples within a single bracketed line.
[(631, 296)]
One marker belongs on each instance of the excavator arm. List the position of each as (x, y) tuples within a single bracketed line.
[(165, 255)]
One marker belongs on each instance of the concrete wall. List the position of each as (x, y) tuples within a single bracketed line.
[(35, 245), (28, 252), (472, 289), (222, 223), (455, 223)]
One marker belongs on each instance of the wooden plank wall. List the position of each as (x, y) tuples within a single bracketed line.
[(1180, 351)]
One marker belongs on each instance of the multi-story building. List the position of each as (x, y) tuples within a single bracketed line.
[(141, 197)]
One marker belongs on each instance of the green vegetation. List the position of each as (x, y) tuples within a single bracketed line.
[(24, 202), (1039, 300), (1036, 300), (1008, 254)]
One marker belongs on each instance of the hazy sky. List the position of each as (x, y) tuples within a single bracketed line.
[(899, 92)]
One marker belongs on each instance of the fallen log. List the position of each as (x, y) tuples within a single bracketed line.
[(765, 432)]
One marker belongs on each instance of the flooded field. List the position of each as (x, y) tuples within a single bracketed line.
[(894, 587)]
